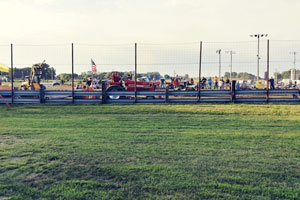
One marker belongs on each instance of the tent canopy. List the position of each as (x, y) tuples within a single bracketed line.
[(4, 68)]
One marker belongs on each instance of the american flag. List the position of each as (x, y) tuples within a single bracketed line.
[(94, 67)]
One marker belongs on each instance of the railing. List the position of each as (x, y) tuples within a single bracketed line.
[(128, 97)]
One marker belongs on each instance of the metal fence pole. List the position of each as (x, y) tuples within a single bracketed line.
[(268, 68), (104, 92), (12, 72), (167, 95), (135, 71), (73, 73), (233, 85), (199, 76)]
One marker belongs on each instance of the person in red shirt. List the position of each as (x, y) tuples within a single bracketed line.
[(175, 82)]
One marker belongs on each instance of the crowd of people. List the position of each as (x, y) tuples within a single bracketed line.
[(90, 83), (181, 83), (215, 83)]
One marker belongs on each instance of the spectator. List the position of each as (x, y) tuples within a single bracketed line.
[(162, 82), (172, 81), (176, 83), (244, 85), (228, 84), (89, 82), (238, 86), (192, 81), (295, 85), (129, 76), (216, 83), (209, 83), (222, 84), (272, 83), (95, 82), (203, 83)]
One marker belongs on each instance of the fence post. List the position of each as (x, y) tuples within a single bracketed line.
[(103, 92), (268, 69), (233, 83), (167, 95), (199, 76), (135, 71), (73, 101), (42, 95), (12, 72)]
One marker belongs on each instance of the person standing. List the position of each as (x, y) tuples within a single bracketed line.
[(216, 83), (244, 85), (192, 81), (272, 83), (209, 83), (162, 82), (221, 84), (203, 83), (89, 82), (238, 86), (228, 83)]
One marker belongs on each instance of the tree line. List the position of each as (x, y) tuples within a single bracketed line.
[(248, 76), (20, 73), (49, 73)]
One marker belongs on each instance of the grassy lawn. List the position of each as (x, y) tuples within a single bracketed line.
[(150, 152)]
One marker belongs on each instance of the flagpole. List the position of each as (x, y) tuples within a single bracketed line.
[(94, 70), (92, 79), (92, 83)]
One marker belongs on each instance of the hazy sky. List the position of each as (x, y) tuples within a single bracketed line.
[(148, 21), (123, 21)]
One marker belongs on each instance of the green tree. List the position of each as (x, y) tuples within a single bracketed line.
[(278, 76), (20, 73), (234, 75), (47, 71), (227, 75), (286, 74), (65, 77)]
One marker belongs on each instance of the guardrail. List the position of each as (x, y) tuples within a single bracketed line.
[(128, 97)]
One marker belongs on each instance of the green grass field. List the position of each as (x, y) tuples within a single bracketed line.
[(150, 152)]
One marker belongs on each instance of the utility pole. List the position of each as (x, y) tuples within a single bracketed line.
[(294, 53), (219, 52), (258, 36), (230, 52)]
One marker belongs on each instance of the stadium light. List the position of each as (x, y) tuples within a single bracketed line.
[(219, 52), (258, 36), (230, 52), (294, 53)]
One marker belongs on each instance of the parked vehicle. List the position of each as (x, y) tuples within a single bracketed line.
[(261, 84), (33, 81), (117, 84)]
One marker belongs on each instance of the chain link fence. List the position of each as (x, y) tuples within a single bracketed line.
[(177, 66)]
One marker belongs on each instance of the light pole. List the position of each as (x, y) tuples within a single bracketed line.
[(230, 52), (219, 52), (258, 36), (294, 53)]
